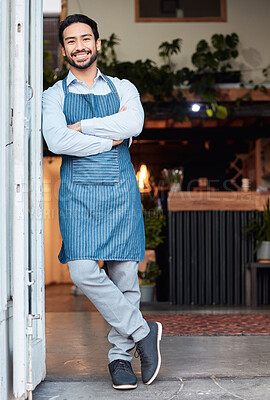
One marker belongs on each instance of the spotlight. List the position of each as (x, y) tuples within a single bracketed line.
[(195, 107)]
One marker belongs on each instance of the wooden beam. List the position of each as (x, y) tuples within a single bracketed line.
[(63, 15), (224, 95)]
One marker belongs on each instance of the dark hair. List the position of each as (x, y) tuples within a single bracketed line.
[(71, 19)]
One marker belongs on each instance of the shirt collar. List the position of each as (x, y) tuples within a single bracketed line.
[(71, 78)]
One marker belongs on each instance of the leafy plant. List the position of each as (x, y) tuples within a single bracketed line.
[(150, 274), (261, 87), (216, 58), (266, 71), (259, 227), (107, 54), (146, 75), (153, 224), (210, 61), (167, 50), (50, 76)]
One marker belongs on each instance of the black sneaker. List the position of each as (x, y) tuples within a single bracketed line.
[(122, 375), (148, 350)]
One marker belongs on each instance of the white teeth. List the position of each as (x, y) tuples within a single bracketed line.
[(81, 56)]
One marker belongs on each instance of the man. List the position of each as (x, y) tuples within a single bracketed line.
[(89, 119)]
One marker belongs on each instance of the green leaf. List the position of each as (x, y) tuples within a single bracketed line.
[(209, 112), (202, 46), (232, 40), (150, 274), (222, 112), (263, 89), (234, 53), (259, 227), (153, 225), (218, 41), (199, 60)]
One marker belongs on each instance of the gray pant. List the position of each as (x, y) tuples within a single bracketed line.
[(117, 299)]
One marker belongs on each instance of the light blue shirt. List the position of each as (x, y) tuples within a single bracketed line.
[(97, 133)]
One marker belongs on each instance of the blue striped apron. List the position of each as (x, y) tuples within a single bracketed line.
[(100, 212)]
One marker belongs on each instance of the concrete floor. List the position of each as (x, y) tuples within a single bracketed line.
[(193, 367)]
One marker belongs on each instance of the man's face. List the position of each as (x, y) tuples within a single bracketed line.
[(80, 46)]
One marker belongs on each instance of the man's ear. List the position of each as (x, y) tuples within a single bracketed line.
[(98, 44), (63, 51)]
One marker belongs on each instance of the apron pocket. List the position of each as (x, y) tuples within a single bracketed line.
[(98, 169)]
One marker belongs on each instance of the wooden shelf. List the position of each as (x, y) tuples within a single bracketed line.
[(207, 201), (199, 123)]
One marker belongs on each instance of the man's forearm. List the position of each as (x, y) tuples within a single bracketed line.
[(122, 125), (63, 140), (77, 127), (73, 143)]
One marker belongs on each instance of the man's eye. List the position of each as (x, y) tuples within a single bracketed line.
[(71, 42), (86, 38)]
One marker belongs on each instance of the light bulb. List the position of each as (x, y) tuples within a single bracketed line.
[(195, 107)]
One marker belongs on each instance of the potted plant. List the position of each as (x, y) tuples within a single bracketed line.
[(148, 277), (215, 59), (154, 221), (213, 63), (259, 228)]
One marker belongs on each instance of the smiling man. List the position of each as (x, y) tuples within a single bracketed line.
[(90, 118)]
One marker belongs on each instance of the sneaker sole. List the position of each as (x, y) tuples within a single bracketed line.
[(159, 356), (125, 387)]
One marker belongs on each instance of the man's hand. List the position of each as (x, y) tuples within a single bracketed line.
[(76, 127), (122, 109), (117, 142)]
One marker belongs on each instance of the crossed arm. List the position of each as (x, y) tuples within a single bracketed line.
[(90, 136), (78, 127)]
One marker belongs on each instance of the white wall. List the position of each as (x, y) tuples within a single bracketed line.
[(248, 18), (51, 7)]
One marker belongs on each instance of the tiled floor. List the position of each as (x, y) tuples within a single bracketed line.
[(193, 367)]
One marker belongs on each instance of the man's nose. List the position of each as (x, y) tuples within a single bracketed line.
[(80, 45)]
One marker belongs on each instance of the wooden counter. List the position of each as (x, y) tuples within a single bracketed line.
[(226, 201)]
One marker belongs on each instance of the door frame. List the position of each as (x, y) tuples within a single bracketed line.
[(28, 265)]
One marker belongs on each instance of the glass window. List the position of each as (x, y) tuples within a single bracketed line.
[(180, 10)]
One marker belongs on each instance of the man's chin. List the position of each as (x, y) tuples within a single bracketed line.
[(81, 66)]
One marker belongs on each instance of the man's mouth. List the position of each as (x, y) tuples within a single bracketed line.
[(81, 56)]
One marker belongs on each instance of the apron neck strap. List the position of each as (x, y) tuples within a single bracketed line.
[(64, 85), (110, 83)]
